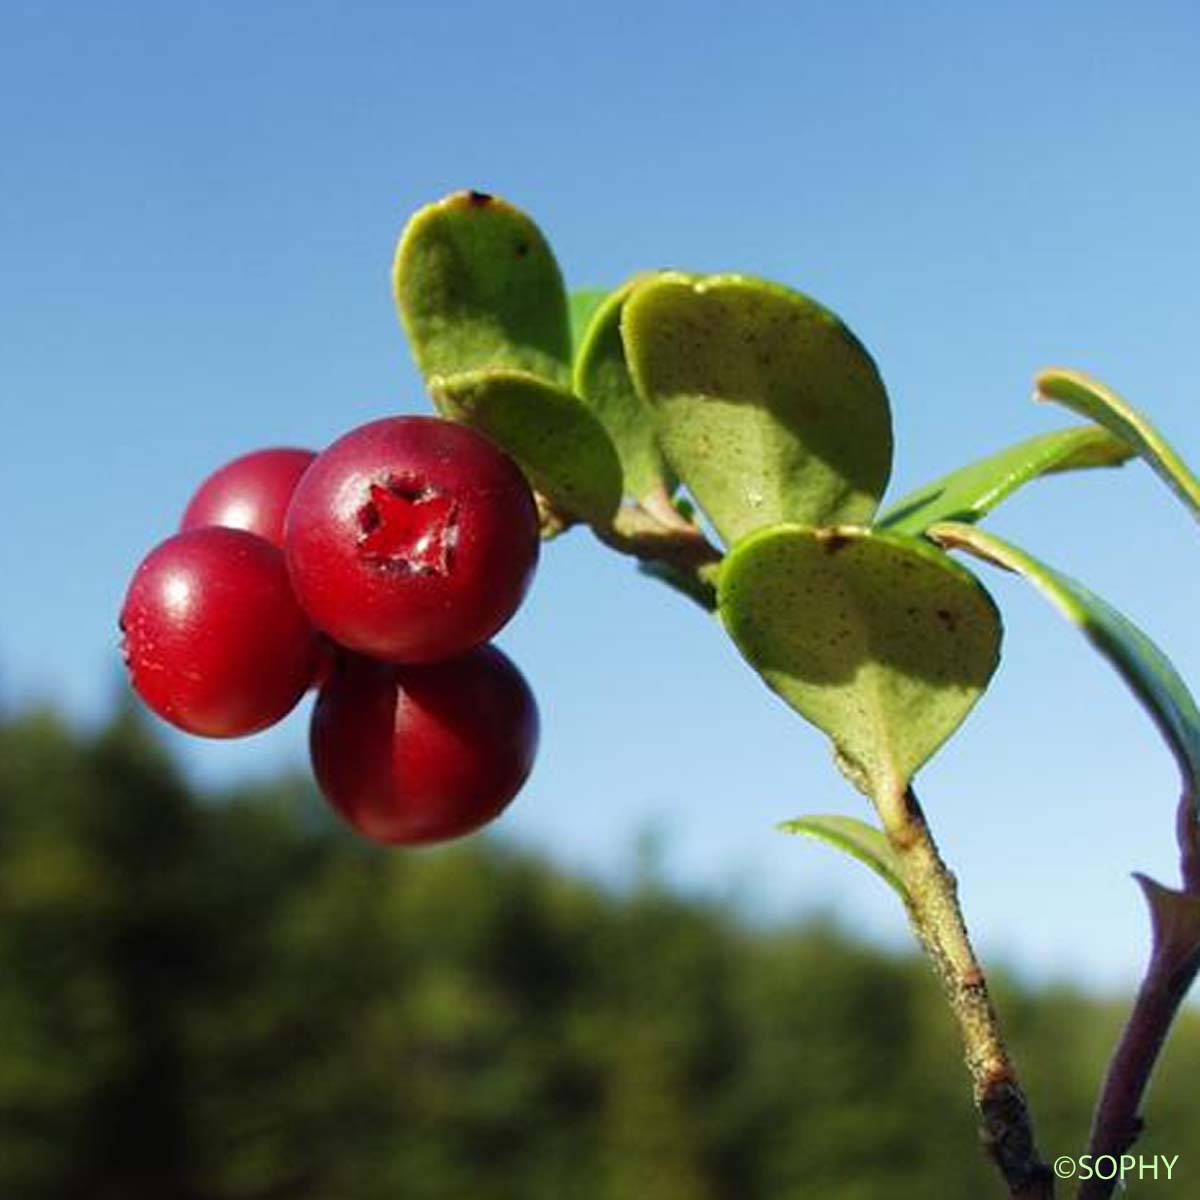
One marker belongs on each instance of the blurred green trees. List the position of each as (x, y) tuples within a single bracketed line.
[(233, 999)]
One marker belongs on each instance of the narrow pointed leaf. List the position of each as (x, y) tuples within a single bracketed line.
[(477, 286), (603, 381), (769, 409), (560, 446), (1090, 398), (880, 640), (1140, 663), (581, 306), (972, 492), (858, 839)]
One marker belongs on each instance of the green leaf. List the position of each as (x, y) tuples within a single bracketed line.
[(1090, 398), (581, 306), (972, 492), (477, 286), (602, 379), (559, 445), (769, 409), (858, 839), (880, 640), (1143, 666)]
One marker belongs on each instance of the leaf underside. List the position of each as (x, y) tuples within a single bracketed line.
[(769, 409), (581, 307), (880, 640), (602, 380), (477, 286), (561, 447)]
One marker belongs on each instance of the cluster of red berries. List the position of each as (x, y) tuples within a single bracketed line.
[(377, 571)]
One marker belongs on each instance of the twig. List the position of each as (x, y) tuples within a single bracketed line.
[(674, 549), (1174, 964), (1005, 1125)]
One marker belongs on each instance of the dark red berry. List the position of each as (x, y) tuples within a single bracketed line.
[(418, 754), (412, 539), (250, 493), (327, 656), (214, 639)]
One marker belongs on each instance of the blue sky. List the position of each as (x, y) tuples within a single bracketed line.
[(200, 205)]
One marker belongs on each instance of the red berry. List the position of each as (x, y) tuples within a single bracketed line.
[(214, 639), (250, 493), (412, 539), (418, 754), (327, 656)]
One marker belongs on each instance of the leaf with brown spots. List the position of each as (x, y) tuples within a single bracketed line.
[(769, 409), (562, 448), (477, 285), (880, 640)]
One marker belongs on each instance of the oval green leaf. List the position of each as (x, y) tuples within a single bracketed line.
[(477, 286), (1141, 664), (603, 381), (556, 441), (769, 409), (581, 307), (880, 640), (857, 839), (970, 493), (1090, 398)]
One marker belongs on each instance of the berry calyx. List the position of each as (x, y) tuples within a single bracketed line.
[(214, 639), (410, 755), (412, 539), (415, 531), (250, 493)]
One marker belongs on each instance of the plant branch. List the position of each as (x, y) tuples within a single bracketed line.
[(1005, 1124), (1174, 964), (1118, 1123), (1187, 834), (658, 504), (674, 550)]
